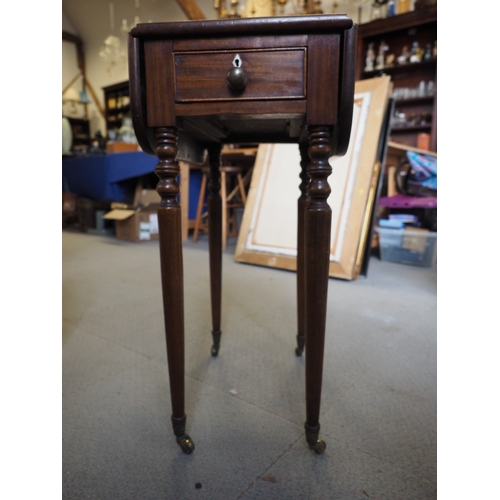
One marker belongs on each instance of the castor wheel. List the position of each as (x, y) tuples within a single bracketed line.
[(216, 338), (186, 444), (319, 447), (215, 350), (299, 351)]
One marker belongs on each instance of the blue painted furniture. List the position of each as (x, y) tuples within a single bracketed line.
[(105, 177), (109, 177)]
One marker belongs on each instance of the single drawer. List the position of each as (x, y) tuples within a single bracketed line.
[(271, 74)]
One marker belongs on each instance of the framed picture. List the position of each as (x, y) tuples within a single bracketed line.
[(268, 232)]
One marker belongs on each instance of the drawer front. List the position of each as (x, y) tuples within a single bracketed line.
[(272, 74)]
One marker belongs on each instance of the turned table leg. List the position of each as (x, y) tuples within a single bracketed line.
[(170, 239), (215, 241), (317, 253), (302, 203)]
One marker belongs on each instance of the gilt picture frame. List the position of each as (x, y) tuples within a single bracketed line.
[(268, 231)]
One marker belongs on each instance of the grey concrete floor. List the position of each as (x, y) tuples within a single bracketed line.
[(245, 408)]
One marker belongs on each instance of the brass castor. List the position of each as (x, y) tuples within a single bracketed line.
[(215, 350), (319, 447), (186, 444)]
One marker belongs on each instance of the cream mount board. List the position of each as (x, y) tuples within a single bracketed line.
[(268, 233)]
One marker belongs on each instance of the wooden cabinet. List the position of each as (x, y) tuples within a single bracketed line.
[(80, 130), (415, 86), (117, 105)]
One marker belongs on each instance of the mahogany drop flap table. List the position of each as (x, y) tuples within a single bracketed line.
[(197, 85)]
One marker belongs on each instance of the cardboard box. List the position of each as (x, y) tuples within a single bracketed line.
[(138, 222), (120, 147), (135, 225)]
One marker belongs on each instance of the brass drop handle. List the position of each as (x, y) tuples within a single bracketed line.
[(236, 76)]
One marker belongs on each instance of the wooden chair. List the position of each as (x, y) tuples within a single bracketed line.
[(233, 180)]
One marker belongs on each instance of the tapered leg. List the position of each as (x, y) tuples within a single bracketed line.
[(215, 241), (225, 214), (170, 236), (301, 208), (317, 244)]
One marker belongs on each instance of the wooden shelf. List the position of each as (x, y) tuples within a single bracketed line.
[(117, 104), (80, 129), (411, 128), (415, 100), (401, 68), (400, 149), (401, 22), (397, 33)]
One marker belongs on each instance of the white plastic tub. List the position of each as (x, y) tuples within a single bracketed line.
[(407, 246)]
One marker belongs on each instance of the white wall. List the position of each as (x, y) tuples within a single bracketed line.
[(69, 71), (91, 18)]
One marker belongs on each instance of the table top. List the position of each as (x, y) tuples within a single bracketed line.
[(295, 71), (255, 26)]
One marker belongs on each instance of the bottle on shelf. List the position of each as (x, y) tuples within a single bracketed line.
[(391, 9)]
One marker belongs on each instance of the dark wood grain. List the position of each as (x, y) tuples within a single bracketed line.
[(242, 107), (215, 241), (342, 133), (323, 79), (144, 134), (170, 236), (300, 89), (272, 74), (400, 22), (245, 27), (302, 203), (317, 223), (239, 43), (158, 75)]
